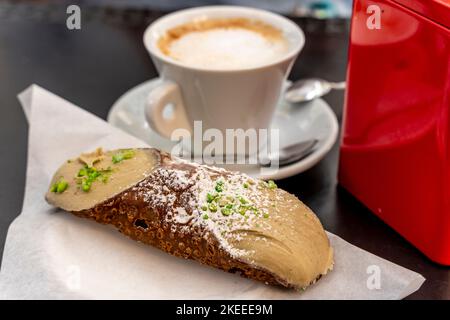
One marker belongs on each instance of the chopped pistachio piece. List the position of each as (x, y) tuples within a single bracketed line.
[(60, 186), (242, 210), (128, 154), (271, 184), (212, 207), (219, 186), (86, 186), (122, 155), (82, 172), (210, 197), (242, 200), (205, 216), (226, 211), (118, 157)]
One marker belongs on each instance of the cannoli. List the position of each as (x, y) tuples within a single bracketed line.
[(219, 218)]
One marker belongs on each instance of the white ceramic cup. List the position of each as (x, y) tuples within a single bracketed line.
[(241, 98)]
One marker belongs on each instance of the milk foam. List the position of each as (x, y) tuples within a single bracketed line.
[(227, 48)]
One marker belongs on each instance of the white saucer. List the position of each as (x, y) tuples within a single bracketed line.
[(312, 120)]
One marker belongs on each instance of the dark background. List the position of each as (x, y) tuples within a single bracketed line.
[(93, 66)]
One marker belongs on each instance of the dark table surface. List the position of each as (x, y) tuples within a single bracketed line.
[(93, 66)]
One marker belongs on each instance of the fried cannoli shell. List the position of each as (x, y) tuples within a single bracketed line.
[(223, 219)]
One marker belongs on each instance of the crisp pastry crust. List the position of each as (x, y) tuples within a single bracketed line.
[(223, 219)]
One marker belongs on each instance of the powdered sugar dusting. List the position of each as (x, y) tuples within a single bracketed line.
[(209, 201)]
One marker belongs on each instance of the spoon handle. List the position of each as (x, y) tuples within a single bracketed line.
[(338, 85)]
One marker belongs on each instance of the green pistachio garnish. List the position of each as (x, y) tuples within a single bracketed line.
[(205, 217), (87, 175), (212, 207), (86, 186), (204, 208), (211, 197), (245, 185), (242, 210), (83, 172), (242, 200), (123, 155), (219, 186), (265, 215), (254, 209), (271, 184), (229, 203), (60, 186), (226, 211)]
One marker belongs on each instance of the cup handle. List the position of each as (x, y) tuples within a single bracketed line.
[(168, 92)]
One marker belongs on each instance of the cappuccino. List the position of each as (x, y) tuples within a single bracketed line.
[(221, 44)]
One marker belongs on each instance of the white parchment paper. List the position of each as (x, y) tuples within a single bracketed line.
[(50, 254)]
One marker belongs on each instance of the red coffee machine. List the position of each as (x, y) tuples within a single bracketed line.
[(395, 153)]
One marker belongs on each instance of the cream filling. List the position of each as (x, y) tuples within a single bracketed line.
[(123, 175), (291, 243)]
